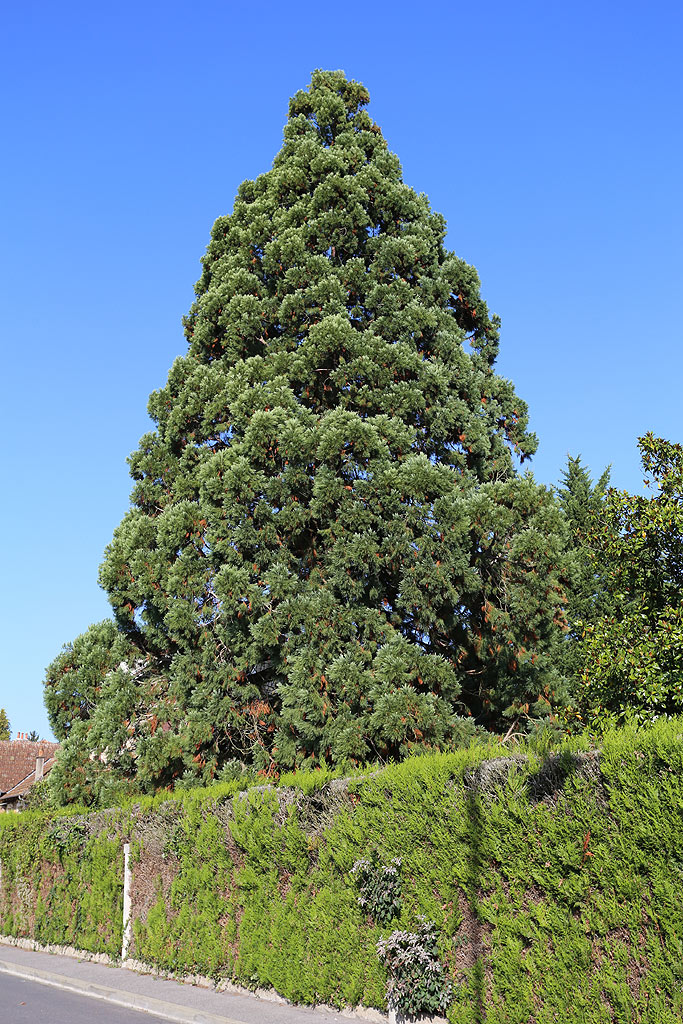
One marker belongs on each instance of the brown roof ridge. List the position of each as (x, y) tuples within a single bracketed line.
[(22, 787), (18, 759), (29, 742), (20, 782)]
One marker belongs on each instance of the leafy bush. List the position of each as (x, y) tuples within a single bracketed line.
[(380, 887), (65, 835), (416, 978), (633, 656)]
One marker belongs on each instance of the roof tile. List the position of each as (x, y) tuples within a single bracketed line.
[(25, 784), (18, 759)]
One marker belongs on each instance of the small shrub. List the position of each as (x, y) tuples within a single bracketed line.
[(380, 887), (65, 835), (416, 980), (176, 842)]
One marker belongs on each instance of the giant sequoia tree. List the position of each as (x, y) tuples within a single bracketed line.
[(329, 553)]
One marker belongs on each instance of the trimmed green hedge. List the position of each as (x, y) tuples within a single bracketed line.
[(555, 882), (62, 881)]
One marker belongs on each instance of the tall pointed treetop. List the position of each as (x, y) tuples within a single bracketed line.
[(329, 552)]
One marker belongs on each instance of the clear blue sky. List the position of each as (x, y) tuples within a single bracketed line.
[(548, 134)]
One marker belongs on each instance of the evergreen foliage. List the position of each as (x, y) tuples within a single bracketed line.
[(97, 692), (74, 680), (587, 595), (553, 881), (634, 652), (61, 882), (5, 730), (330, 554)]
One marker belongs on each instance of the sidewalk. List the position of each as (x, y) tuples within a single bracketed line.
[(171, 1000)]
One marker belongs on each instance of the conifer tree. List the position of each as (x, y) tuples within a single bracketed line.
[(588, 595), (74, 679), (330, 553), (5, 730), (98, 692)]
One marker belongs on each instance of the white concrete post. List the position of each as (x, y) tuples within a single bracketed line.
[(127, 920)]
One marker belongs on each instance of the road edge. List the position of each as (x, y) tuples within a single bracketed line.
[(364, 1014), (129, 1000)]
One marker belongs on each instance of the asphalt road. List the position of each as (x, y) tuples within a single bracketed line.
[(27, 1002)]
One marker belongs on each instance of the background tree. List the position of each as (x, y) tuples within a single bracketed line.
[(330, 553), (74, 680), (588, 596), (32, 736), (105, 701), (5, 730), (634, 653)]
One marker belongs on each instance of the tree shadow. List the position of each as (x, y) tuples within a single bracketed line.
[(487, 782), (475, 868), (547, 783)]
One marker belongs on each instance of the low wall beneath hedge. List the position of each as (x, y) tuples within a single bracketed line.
[(555, 884)]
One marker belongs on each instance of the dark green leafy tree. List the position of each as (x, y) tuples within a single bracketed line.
[(78, 683), (101, 694), (330, 553), (5, 730), (74, 680), (32, 736), (634, 653), (588, 596)]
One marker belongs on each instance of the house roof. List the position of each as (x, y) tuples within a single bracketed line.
[(25, 784), (18, 760)]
